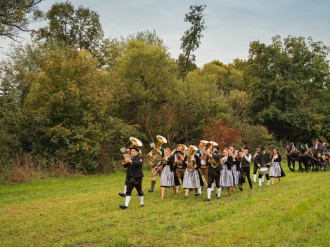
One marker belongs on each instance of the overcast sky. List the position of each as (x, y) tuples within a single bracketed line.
[(231, 24)]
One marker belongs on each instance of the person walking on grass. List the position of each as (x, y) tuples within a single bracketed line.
[(263, 160), (134, 165), (276, 170)]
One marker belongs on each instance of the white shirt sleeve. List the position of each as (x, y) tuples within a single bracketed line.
[(248, 157)]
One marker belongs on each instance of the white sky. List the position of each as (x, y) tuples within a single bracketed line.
[(231, 24)]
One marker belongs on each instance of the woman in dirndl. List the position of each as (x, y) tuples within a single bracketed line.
[(191, 178), (276, 170), (226, 174), (167, 175), (235, 167)]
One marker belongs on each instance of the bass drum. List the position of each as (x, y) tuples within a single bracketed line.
[(263, 170)]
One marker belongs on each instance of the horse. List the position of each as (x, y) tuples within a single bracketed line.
[(293, 155), (311, 154)]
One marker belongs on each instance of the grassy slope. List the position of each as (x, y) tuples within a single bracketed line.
[(85, 212)]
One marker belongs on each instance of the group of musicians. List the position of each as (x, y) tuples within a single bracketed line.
[(191, 166)]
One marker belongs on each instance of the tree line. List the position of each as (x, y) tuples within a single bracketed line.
[(73, 96)]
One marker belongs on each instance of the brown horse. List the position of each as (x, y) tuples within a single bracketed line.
[(293, 154), (311, 154)]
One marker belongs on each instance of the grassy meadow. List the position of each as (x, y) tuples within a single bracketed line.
[(85, 211)]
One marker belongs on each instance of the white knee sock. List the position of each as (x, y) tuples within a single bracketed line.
[(268, 182), (254, 178), (125, 188), (200, 190), (141, 200), (209, 191), (260, 182), (212, 187), (127, 199), (218, 192)]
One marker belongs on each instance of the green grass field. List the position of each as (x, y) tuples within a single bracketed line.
[(85, 211)]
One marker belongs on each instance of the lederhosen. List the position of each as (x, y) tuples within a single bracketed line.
[(203, 171), (213, 172), (245, 170), (180, 167), (135, 175)]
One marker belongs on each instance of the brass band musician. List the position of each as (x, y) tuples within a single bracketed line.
[(134, 166), (191, 179), (167, 175), (213, 164), (203, 171)]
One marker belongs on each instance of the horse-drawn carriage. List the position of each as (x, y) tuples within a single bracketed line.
[(309, 157)]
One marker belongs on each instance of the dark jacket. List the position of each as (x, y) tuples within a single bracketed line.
[(135, 168), (198, 161), (169, 162), (229, 162), (263, 159), (278, 159), (215, 158)]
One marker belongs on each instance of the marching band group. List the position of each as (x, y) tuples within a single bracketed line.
[(191, 166)]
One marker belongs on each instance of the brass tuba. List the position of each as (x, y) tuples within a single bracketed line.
[(155, 156), (213, 162), (190, 158), (125, 150)]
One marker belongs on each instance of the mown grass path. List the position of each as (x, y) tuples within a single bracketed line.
[(85, 212)]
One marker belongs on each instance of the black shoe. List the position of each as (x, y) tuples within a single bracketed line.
[(241, 189), (122, 194), (218, 197), (197, 194), (250, 188), (142, 205), (185, 197), (150, 190), (123, 206), (207, 200)]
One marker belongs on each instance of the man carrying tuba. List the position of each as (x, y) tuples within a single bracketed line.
[(126, 154), (213, 163), (154, 158), (191, 179), (134, 166)]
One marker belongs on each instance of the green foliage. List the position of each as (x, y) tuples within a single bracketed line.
[(148, 75), (16, 15), (287, 80), (256, 135), (64, 106), (78, 28), (190, 41)]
